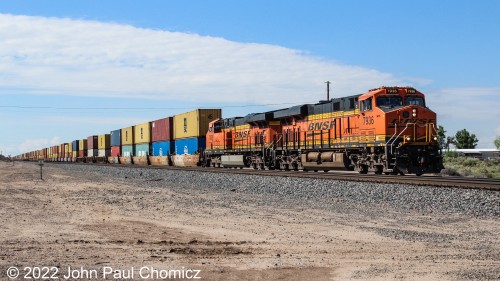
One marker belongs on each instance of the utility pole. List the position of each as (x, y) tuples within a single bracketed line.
[(328, 90)]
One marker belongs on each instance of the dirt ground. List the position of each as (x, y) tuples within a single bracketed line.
[(75, 220)]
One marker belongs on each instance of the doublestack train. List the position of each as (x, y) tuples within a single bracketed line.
[(385, 130)]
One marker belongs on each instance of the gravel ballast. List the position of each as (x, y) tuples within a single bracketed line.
[(341, 196)]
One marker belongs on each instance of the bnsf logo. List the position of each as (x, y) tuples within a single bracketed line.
[(317, 126), (242, 134), (409, 120)]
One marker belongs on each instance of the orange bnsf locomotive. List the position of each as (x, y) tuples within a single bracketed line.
[(386, 130)]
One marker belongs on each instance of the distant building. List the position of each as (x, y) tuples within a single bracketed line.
[(479, 153)]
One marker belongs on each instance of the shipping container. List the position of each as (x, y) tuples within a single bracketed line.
[(82, 145), (162, 129), (116, 138), (104, 141), (70, 149), (75, 154), (142, 149), (127, 136), (163, 148), (142, 133), (128, 150), (104, 152), (195, 123), (92, 142), (92, 152), (75, 145), (115, 151), (82, 153), (190, 146)]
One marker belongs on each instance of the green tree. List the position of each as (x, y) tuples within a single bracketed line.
[(464, 140), (497, 142), (441, 136)]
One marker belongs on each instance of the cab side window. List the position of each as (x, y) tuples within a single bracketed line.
[(366, 105)]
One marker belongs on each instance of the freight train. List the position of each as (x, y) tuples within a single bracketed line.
[(385, 130)]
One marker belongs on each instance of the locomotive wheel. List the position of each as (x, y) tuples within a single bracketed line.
[(379, 170), (254, 166), (363, 169)]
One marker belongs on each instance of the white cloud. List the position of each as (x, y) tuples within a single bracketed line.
[(475, 109), (84, 58), (35, 144)]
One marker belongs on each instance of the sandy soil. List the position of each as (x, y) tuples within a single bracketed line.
[(71, 219)]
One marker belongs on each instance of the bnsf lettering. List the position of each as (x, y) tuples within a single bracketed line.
[(242, 134), (318, 126), (410, 120)]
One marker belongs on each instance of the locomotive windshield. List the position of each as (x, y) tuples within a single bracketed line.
[(415, 100), (389, 101)]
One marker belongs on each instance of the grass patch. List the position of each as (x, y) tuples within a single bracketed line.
[(471, 167)]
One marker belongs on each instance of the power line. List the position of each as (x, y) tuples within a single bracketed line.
[(137, 108)]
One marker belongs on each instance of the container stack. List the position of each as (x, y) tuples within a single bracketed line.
[(190, 129), (127, 141), (82, 148), (142, 143), (74, 146), (116, 143), (104, 145), (69, 152), (162, 135), (92, 146)]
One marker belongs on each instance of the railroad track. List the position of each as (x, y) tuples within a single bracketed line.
[(436, 180)]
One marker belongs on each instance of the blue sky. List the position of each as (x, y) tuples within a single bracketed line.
[(72, 69)]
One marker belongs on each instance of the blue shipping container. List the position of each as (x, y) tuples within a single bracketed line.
[(142, 149), (128, 150), (74, 145), (190, 145), (116, 138), (163, 148)]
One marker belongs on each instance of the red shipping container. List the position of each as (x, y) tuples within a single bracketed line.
[(82, 153), (162, 129), (115, 151), (92, 142)]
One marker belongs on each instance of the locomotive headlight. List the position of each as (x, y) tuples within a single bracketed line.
[(435, 138), (414, 112), (408, 138)]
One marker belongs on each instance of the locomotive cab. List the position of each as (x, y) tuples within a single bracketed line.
[(404, 127)]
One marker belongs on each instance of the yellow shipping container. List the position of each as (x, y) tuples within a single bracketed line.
[(74, 154), (127, 135), (142, 133), (194, 123), (70, 149), (104, 141), (82, 145)]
